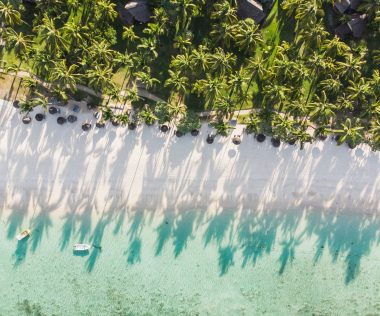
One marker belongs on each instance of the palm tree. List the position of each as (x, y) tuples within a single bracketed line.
[(374, 131), (9, 15), (372, 7), (360, 91), (20, 43), (237, 81), (275, 94), (210, 87), (224, 12), (67, 77), (223, 34), (335, 47), (40, 100), (350, 133), (160, 16), (181, 63), (224, 106), (148, 45), (75, 33), (351, 67), (100, 77), (186, 9), (50, 35), (102, 53), (178, 82), (331, 84), (222, 62), (321, 110), (145, 77), (247, 36), (201, 58), (105, 10), (183, 41), (129, 33), (312, 37)]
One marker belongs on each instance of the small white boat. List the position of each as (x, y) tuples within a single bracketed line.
[(82, 247), (23, 234)]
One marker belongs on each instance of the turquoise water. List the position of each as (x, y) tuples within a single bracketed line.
[(191, 263)]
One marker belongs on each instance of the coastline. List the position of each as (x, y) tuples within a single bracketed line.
[(50, 167)]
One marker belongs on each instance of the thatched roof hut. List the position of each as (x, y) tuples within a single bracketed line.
[(250, 9), (139, 9), (343, 5), (355, 27), (358, 25), (342, 31)]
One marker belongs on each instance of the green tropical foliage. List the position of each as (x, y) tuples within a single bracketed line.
[(291, 71)]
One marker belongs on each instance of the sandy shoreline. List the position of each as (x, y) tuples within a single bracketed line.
[(45, 166)]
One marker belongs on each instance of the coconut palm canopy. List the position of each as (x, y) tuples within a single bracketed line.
[(284, 64)]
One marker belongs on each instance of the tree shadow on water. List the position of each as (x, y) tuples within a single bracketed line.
[(226, 259), (96, 240), (183, 229), (14, 223), (40, 225), (288, 252), (134, 251), (20, 253), (256, 236), (67, 230), (218, 226), (164, 232)]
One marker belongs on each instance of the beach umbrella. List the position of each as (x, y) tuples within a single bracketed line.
[(53, 110), (16, 104), (100, 124), (194, 132), (260, 138), (39, 117), (72, 118), (179, 133), (86, 126), (210, 139), (132, 126), (275, 142), (236, 140), (291, 141), (61, 120), (26, 119), (164, 128)]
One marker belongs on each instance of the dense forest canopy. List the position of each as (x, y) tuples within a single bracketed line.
[(291, 70)]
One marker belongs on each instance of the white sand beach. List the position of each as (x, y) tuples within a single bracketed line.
[(45, 166)]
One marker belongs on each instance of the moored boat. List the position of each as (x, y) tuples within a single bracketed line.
[(23, 234), (82, 247)]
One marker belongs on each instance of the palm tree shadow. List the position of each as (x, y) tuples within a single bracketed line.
[(218, 226), (164, 231), (288, 252), (256, 237), (183, 229), (40, 224), (226, 259), (67, 230), (14, 223), (96, 240), (20, 253), (90, 263), (134, 251)]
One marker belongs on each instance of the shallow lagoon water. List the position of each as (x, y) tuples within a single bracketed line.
[(191, 263)]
